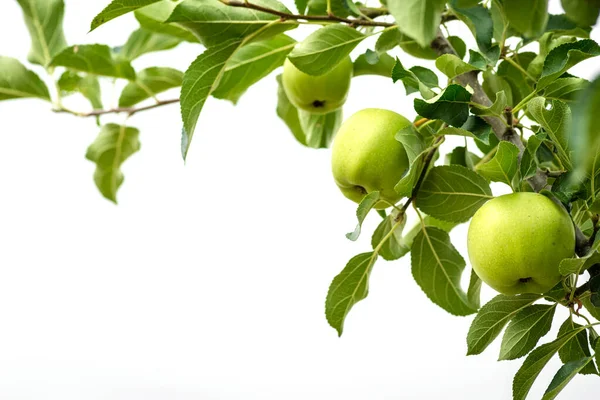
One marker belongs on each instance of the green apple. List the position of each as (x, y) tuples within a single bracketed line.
[(366, 156), (317, 94), (516, 242)]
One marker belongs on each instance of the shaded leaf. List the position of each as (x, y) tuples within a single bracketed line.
[(289, 113), (319, 129), (450, 106), (564, 375), (199, 81), (479, 20), (525, 329), (493, 317), (474, 290), (88, 85), (396, 246), (383, 65), (348, 288), (452, 193), (565, 56), (576, 348), (565, 89), (583, 12), (153, 18), (412, 141), (366, 205), (437, 268), (577, 265), (411, 81), (528, 17), (535, 362)]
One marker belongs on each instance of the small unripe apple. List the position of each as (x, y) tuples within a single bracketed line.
[(516, 242), (317, 94), (366, 156)]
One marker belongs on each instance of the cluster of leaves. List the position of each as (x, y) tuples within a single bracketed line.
[(520, 113)]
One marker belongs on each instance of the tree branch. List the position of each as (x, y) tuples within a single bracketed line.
[(126, 110), (289, 16), (502, 129)]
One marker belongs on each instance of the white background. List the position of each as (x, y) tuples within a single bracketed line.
[(208, 280)]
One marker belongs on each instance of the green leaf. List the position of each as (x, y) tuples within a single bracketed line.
[(452, 66), (153, 18), (525, 329), (389, 39), (452, 193), (199, 81), (250, 64), (383, 65), (437, 268), (112, 147), (461, 156), (561, 25), (405, 186), (348, 288), (494, 84), (482, 136), (592, 309), (479, 20), (451, 106), (493, 317), (322, 50), (143, 41), (412, 142), (529, 17), (565, 89), (17, 82), (366, 205), (44, 20), (96, 59), (576, 348), (503, 167), (577, 265), (117, 8), (564, 375), (535, 362), (555, 122), (418, 19), (319, 129), (301, 5), (529, 160), (496, 109), (396, 246), (520, 84), (565, 56), (214, 22), (583, 12), (88, 85), (319, 7), (149, 83), (584, 130), (411, 81), (288, 113), (474, 290)]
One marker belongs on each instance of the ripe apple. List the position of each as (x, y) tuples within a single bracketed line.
[(317, 94), (516, 241), (367, 157)]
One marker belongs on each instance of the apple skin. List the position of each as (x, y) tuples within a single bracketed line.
[(317, 94), (516, 242), (366, 156)]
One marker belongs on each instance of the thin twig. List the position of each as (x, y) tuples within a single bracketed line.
[(119, 110), (322, 18)]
